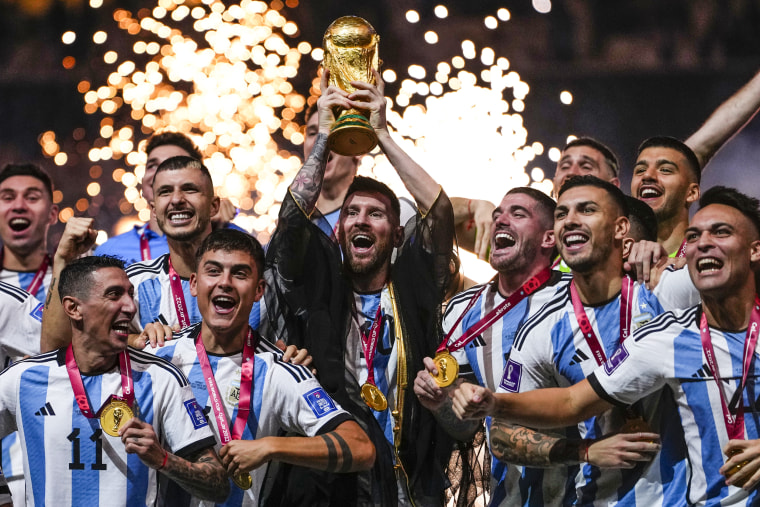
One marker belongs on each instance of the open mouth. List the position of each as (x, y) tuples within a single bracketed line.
[(19, 224), (503, 240), (179, 217), (649, 193), (223, 304), (362, 242), (574, 240), (709, 265), (121, 327)]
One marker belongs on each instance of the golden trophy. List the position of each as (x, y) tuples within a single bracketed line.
[(350, 46)]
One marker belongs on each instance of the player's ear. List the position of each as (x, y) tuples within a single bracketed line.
[(627, 247), (622, 226), (72, 307), (193, 285), (754, 255)]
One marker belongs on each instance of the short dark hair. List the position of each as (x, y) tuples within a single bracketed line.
[(674, 144), (546, 205), (643, 220), (174, 139), (32, 170), (746, 205), (183, 162), (618, 197), (370, 185), (609, 155), (76, 278), (232, 240), (310, 111)]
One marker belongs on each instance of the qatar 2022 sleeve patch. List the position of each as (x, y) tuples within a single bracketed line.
[(321, 404), (196, 414), (37, 312), (616, 359), (510, 381)]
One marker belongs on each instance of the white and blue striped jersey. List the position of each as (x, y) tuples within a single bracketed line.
[(386, 355), (284, 397), (20, 321), (484, 358), (153, 296), (673, 339), (69, 460), (23, 279), (551, 351)]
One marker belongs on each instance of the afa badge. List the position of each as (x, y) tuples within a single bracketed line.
[(37, 312), (196, 414), (321, 404), (510, 382)]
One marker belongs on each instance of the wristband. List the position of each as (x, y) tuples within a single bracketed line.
[(166, 457)]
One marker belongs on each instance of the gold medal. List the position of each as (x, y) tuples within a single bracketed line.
[(115, 415), (242, 480), (373, 397), (448, 369), (736, 468), (635, 425)]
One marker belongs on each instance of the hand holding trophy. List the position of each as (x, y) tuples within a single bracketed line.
[(350, 46)]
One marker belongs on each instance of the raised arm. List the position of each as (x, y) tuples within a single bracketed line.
[(473, 219), (541, 408), (345, 449), (420, 184), (78, 237), (727, 120), (308, 182)]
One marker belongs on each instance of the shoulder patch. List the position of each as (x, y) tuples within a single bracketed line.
[(196, 414), (321, 404), (616, 359), (511, 379), (37, 312)]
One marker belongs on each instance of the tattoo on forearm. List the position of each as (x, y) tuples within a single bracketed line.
[(204, 476), (346, 455), (523, 446), (50, 292), (332, 453), (308, 182)]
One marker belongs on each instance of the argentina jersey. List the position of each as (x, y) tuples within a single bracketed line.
[(674, 339), (484, 358), (69, 459), (551, 351), (155, 302), (284, 397), (386, 355), (23, 279)]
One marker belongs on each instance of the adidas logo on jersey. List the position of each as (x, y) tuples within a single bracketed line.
[(578, 357), (46, 410)]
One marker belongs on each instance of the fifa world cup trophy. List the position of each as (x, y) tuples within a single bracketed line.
[(350, 46)]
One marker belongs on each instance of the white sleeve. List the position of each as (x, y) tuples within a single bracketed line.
[(299, 401), (676, 291), (8, 399), (21, 323), (184, 426), (530, 365), (630, 373)]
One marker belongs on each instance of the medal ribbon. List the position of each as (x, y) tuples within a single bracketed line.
[(487, 321), (734, 423), (178, 296), (144, 245), (626, 302), (39, 276), (681, 250), (369, 343), (246, 384), (80, 394)]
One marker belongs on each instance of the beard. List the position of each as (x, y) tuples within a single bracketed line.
[(367, 265)]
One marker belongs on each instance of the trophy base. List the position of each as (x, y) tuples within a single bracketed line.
[(351, 135)]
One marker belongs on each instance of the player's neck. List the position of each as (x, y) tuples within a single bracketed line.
[(670, 232), (599, 285), (730, 310), (153, 225), (24, 261), (371, 282), (223, 341), (510, 282), (182, 254), (92, 361), (331, 196)]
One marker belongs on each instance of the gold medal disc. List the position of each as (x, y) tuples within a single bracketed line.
[(736, 468), (243, 480), (373, 397), (114, 416), (448, 369)]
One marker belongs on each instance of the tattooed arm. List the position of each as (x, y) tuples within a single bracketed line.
[(345, 449), (522, 446), (308, 182), (202, 474)]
